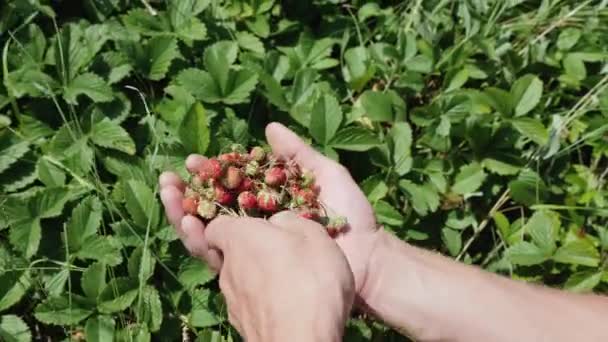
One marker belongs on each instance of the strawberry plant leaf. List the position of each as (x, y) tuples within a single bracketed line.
[(469, 179), (194, 130), (541, 227), (401, 135), (88, 84), (193, 272), (101, 248), (578, 252), (200, 84), (218, 58), (358, 70), (11, 150), (85, 220), (354, 139), (150, 311), (141, 204), (25, 236), (243, 82), (13, 285), (62, 310), (107, 133), (117, 295), (14, 329), (377, 105), (141, 264), (452, 240), (532, 129), (528, 188), (526, 254), (583, 281), (526, 93), (93, 279), (387, 214), (100, 328), (50, 174), (325, 119), (161, 52)]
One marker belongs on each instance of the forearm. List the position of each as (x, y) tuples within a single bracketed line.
[(436, 299)]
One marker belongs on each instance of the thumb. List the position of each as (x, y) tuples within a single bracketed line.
[(286, 144), (291, 221)]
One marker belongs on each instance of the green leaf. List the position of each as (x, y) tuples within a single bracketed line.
[(584, 281), (90, 85), (526, 254), (100, 329), (193, 272), (374, 188), (499, 99), (387, 214), (93, 279), (528, 188), (141, 264), (541, 228), (242, 83), (149, 309), (249, 42), (568, 38), (503, 225), (117, 295), (194, 130), (14, 329), (108, 133), (325, 119), (532, 129), (574, 66), (377, 105), (423, 198), (85, 220), (469, 179), (161, 52), (200, 84), (401, 135), (354, 139), (578, 252), (13, 285), (452, 240), (25, 236), (62, 310), (218, 58), (11, 151), (526, 93), (101, 248), (358, 69), (142, 204), (50, 174)]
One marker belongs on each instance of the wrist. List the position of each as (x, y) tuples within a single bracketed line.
[(295, 327)]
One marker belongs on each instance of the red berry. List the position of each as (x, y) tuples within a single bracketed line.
[(275, 176), (268, 200), (294, 189), (189, 204), (233, 178), (230, 158), (223, 196), (246, 184), (306, 196), (210, 169), (308, 214), (247, 200), (257, 153), (335, 225)]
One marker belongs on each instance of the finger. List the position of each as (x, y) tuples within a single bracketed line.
[(194, 163), (225, 231), (170, 179), (290, 221), (193, 238), (172, 201), (285, 143)]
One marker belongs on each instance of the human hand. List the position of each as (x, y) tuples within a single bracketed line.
[(340, 194), (283, 279)]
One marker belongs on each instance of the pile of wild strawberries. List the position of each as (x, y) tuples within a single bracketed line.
[(255, 184)]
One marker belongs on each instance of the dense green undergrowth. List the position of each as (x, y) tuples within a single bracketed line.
[(476, 128)]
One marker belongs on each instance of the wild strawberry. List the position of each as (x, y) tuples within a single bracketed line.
[(223, 196), (294, 189), (335, 225), (189, 204), (247, 200), (196, 181), (268, 200), (308, 178), (246, 184), (306, 197), (257, 154), (252, 168), (233, 178), (206, 209), (210, 169), (275, 176), (230, 158), (308, 214)]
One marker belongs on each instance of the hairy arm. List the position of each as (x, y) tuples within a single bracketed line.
[(434, 298)]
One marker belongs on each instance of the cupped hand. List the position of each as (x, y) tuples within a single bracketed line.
[(339, 193), (283, 278)]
